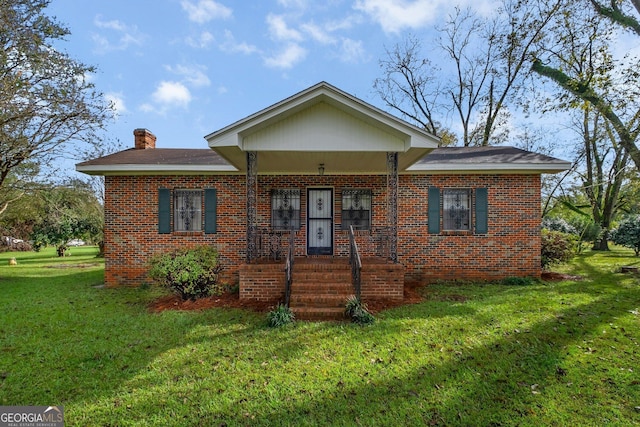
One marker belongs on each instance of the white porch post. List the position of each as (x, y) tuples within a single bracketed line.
[(252, 204), (392, 202)]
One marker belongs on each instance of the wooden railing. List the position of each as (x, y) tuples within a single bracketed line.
[(356, 263), (288, 267)]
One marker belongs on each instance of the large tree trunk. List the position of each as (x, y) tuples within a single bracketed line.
[(601, 244)]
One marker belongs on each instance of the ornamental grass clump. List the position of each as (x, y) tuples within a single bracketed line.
[(358, 312), (280, 316), (190, 273)]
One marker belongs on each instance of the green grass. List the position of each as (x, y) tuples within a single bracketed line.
[(553, 354)]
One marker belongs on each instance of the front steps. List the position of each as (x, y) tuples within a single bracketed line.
[(320, 285), (320, 290)]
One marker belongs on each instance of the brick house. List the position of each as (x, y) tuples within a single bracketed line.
[(302, 174)]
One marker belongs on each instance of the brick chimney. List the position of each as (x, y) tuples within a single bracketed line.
[(144, 139)]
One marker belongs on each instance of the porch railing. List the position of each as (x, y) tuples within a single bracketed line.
[(356, 263), (288, 267), (270, 244)]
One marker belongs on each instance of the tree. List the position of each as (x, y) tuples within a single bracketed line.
[(47, 103), (487, 59), (628, 233), (616, 90), (604, 174), (617, 13), (69, 211)]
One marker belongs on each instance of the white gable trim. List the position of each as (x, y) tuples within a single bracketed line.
[(257, 132)]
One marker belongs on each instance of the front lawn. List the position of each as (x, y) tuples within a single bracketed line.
[(562, 353)]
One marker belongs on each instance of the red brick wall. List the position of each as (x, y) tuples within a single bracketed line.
[(510, 248), (131, 224)]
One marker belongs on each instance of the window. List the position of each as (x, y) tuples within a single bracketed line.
[(356, 209), (456, 209), (187, 210), (285, 209), (457, 206)]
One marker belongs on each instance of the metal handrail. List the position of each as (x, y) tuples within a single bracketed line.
[(356, 263), (289, 268)]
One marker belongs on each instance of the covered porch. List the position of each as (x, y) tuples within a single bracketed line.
[(318, 165)]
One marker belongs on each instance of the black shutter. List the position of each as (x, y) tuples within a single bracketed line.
[(210, 210), (434, 210), (482, 209), (164, 211)]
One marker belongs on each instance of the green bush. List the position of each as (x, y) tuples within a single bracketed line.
[(280, 316), (628, 233), (558, 224), (357, 311), (190, 273), (557, 248)]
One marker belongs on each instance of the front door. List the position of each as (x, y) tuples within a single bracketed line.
[(320, 221)]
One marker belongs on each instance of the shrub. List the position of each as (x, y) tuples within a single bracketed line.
[(190, 273), (16, 246), (558, 224), (628, 233), (280, 316), (556, 248), (357, 311)]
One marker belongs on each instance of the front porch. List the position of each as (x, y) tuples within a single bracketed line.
[(320, 285)]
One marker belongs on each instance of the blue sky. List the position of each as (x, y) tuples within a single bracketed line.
[(185, 68)]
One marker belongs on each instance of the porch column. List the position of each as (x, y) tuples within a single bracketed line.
[(392, 204), (252, 204)]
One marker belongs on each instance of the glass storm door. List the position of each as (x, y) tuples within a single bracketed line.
[(320, 221)]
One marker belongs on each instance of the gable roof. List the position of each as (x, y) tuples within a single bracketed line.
[(169, 161), (322, 124)]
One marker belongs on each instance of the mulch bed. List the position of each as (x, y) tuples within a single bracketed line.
[(173, 302), (375, 305)]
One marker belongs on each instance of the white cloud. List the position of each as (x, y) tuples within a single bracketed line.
[(205, 11), (291, 55), (395, 16), (300, 4), (318, 34), (202, 41), (194, 75), (345, 23), (168, 95), (126, 35), (352, 51), (279, 30), (116, 99), (231, 45)]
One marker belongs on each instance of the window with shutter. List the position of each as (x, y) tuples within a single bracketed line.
[(187, 210), (456, 209)]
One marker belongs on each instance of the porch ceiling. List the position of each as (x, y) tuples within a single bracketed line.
[(334, 163)]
